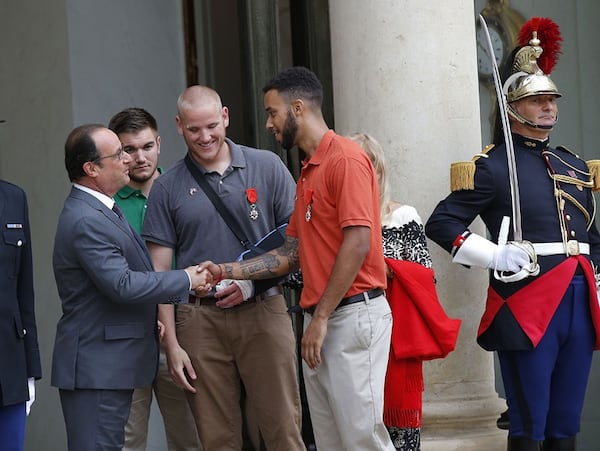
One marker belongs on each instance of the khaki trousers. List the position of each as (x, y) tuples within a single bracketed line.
[(345, 393), (180, 427), (251, 344)]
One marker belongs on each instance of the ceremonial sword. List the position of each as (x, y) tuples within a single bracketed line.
[(532, 268), (510, 151)]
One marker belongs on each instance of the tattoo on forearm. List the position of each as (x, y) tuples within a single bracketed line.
[(267, 265), (289, 250), (227, 271), (262, 267)]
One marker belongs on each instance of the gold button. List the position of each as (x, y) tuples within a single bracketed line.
[(568, 217), (573, 233), (19, 243)]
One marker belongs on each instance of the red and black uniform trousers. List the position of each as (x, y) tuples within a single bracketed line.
[(545, 360)]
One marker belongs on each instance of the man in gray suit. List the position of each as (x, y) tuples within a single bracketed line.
[(107, 338)]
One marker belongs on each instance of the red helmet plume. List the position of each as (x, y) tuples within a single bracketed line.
[(550, 40)]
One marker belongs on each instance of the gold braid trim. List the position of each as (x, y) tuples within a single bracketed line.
[(462, 173), (575, 202), (572, 180), (561, 195), (594, 167)]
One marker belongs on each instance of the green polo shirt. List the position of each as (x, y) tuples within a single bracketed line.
[(133, 203)]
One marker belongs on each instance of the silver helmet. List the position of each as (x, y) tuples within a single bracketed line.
[(527, 78), (532, 64)]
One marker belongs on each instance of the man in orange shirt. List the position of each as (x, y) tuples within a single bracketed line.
[(334, 235)]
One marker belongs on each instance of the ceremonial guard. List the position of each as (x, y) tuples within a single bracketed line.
[(542, 313)]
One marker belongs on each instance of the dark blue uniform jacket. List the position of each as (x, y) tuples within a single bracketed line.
[(541, 212)]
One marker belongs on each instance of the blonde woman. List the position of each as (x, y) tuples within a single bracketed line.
[(409, 265)]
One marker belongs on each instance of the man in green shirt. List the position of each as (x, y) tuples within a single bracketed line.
[(138, 132)]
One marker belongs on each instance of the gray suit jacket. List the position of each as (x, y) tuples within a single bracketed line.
[(107, 336), (19, 352)]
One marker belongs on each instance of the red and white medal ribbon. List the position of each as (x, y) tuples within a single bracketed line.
[(252, 197)]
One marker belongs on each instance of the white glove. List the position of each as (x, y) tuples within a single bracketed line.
[(245, 286), (509, 258), (31, 386)]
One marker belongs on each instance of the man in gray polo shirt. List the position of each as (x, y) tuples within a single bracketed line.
[(237, 336)]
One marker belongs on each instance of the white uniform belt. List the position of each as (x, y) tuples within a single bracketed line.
[(572, 247)]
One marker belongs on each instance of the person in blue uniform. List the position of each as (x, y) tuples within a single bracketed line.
[(542, 313), (20, 363)]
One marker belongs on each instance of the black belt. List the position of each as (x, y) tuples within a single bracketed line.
[(360, 297), (211, 300), (374, 293)]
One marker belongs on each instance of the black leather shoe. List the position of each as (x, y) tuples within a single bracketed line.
[(559, 444), (503, 422), (523, 444)]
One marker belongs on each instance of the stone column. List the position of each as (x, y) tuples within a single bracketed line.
[(405, 71)]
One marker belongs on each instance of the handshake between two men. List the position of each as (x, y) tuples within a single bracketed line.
[(200, 278), (207, 278)]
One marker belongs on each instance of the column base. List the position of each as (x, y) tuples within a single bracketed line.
[(466, 441), (464, 421)]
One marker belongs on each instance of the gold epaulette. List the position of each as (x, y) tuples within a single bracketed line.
[(593, 167), (462, 173)]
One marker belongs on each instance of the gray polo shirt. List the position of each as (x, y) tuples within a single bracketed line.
[(180, 216)]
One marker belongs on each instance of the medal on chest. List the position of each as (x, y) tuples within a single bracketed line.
[(573, 174), (252, 197), (308, 214)]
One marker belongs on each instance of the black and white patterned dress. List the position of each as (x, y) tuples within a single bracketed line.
[(403, 238)]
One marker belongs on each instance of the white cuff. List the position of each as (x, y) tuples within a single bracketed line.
[(476, 251), (31, 388), (190, 280)]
